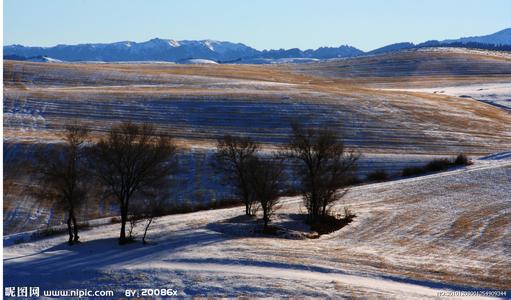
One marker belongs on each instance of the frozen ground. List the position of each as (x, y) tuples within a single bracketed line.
[(411, 239)]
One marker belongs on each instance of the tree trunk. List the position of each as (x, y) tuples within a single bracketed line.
[(70, 230), (124, 216), (265, 217), (314, 198), (75, 227), (248, 210), (145, 231), (314, 208)]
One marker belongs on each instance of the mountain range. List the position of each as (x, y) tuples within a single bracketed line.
[(223, 52)]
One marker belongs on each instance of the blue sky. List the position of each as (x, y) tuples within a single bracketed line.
[(262, 24)]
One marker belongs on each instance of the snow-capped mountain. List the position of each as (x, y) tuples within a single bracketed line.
[(171, 50), (227, 52), (39, 58), (155, 50), (502, 37)]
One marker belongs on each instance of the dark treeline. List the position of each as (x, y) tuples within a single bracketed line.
[(470, 45), (136, 165)]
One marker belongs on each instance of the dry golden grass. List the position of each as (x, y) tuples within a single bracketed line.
[(495, 228), (465, 117)]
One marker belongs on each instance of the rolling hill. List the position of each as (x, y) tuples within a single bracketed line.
[(368, 98)]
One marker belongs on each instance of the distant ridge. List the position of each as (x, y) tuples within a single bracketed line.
[(210, 51), (392, 48), (172, 51), (502, 37)]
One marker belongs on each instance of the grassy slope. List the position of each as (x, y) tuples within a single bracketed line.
[(200, 102)]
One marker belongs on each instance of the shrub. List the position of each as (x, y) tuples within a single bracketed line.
[(353, 180), (18, 241), (412, 171), (115, 220), (436, 165), (329, 223), (378, 175), (462, 160)]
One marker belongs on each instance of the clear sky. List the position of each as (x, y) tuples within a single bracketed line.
[(262, 24)]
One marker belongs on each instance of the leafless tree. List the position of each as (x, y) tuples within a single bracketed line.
[(133, 159), (61, 174), (266, 181), (148, 207), (323, 166), (133, 220), (231, 160)]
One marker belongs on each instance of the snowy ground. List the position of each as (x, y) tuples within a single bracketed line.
[(498, 94), (412, 238)]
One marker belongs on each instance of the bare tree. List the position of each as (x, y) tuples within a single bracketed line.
[(147, 208), (266, 181), (231, 160), (133, 219), (133, 159), (61, 174), (323, 166)]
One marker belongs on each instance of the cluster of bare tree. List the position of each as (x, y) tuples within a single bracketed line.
[(62, 176), (322, 165), (135, 164), (257, 179), (232, 160)]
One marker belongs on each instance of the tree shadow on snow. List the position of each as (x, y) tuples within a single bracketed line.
[(99, 254)]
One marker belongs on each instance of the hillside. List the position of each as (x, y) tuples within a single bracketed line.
[(198, 103), (411, 239), (368, 98)]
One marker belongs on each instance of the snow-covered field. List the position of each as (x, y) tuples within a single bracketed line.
[(498, 94), (411, 239)]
